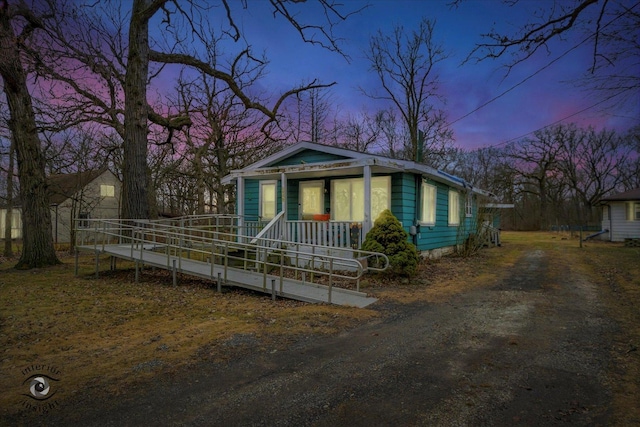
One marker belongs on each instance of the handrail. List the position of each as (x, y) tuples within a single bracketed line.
[(200, 244), (268, 229)]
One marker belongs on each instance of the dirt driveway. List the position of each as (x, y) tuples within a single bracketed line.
[(531, 350)]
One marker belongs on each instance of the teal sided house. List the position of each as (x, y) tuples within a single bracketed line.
[(320, 195)]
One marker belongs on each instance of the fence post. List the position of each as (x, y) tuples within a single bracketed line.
[(76, 265), (281, 268), (97, 262), (104, 234), (273, 289), (330, 278), (226, 261), (141, 242), (264, 269), (175, 274)]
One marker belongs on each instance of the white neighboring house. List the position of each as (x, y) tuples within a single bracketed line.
[(84, 195), (621, 216)]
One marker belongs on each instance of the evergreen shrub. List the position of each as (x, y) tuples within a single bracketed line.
[(388, 237)]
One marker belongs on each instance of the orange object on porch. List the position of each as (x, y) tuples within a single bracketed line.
[(321, 217)]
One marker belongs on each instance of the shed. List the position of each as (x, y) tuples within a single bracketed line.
[(621, 216)]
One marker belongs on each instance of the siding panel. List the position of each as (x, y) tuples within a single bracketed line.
[(621, 228)]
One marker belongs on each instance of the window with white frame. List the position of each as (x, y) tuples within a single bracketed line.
[(107, 190), (468, 205), (311, 198), (428, 196), (633, 211), (268, 199), (347, 198), (454, 207)]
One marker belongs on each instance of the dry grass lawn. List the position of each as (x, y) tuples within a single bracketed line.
[(111, 331)]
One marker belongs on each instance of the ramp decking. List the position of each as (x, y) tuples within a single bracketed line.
[(232, 276)]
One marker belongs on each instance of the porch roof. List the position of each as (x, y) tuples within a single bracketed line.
[(351, 165)]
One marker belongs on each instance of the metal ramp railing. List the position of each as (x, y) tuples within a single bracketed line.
[(221, 255)]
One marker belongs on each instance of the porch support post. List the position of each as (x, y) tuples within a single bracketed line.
[(283, 197), (366, 224), (240, 204)]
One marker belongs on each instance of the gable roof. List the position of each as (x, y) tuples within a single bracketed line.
[(345, 160), (62, 186), (631, 195), (292, 150)]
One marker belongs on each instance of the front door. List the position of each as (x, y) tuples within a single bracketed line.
[(311, 199)]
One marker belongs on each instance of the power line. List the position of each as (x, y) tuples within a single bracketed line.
[(536, 73), (556, 122), (500, 95)]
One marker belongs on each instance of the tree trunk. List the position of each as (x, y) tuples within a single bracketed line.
[(135, 195), (38, 249), (8, 247), (200, 187)]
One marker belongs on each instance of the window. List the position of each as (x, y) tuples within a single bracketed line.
[(268, 199), (454, 208), (347, 198), (107, 190), (311, 198), (468, 206), (428, 204), (83, 220), (633, 211), (380, 195)]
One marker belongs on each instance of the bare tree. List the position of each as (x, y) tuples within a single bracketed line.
[(629, 167), (362, 132), (405, 64), (8, 220), (38, 249), (140, 55), (119, 56), (590, 162), (393, 134), (310, 116), (223, 135), (608, 27), (535, 163)]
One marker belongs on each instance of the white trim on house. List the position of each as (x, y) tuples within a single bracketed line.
[(301, 146), (261, 201), (351, 166)]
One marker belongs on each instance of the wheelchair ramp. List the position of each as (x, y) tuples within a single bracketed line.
[(253, 280)]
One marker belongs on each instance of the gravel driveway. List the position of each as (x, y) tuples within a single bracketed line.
[(529, 351)]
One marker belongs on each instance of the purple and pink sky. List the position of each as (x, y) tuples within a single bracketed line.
[(547, 97), (543, 95)]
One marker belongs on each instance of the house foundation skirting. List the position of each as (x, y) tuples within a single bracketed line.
[(437, 253)]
